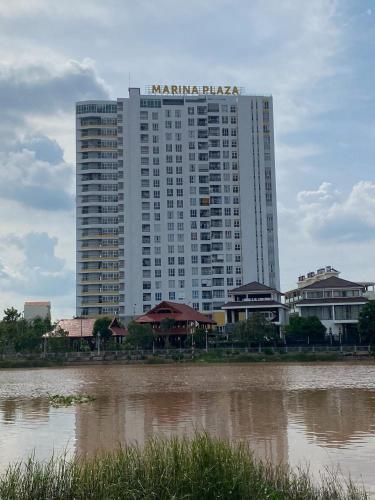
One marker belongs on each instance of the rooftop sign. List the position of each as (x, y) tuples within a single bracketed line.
[(193, 89)]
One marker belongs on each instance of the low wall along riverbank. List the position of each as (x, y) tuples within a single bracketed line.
[(213, 355)]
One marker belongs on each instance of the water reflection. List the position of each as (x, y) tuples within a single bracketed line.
[(334, 418), (20, 409), (322, 413)]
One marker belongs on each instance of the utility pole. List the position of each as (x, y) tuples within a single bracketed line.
[(98, 341)]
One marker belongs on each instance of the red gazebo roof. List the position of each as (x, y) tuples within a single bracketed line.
[(176, 311)]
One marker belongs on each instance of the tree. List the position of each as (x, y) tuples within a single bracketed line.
[(366, 322), (255, 329), (7, 336), (305, 329), (101, 327), (58, 339), (29, 334), (11, 315), (21, 335), (17, 334), (139, 335), (200, 337)]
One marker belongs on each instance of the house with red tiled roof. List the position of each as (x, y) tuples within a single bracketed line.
[(184, 318), (82, 328)]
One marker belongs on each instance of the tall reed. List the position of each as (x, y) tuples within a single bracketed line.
[(200, 468)]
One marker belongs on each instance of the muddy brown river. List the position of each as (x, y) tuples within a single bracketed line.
[(316, 414)]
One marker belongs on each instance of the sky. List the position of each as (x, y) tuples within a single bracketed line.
[(315, 58)]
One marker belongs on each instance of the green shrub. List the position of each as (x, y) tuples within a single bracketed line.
[(177, 357), (57, 400), (155, 360), (268, 351)]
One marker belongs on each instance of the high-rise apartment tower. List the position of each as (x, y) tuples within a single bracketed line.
[(176, 198)]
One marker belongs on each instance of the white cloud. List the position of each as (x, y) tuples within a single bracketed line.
[(323, 195), (20, 220), (41, 88), (327, 214), (294, 159), (329, 227), (29, 264), (87, 9), (17, 7), (36, 183)]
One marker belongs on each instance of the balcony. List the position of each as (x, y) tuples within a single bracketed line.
[(96, 293), (96, 269), (98, 281), (98, 303), (204, 201), (96, 259), (96, 133), (98, 247)]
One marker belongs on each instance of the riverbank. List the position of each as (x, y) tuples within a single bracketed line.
[(202, 468), (172, 357)]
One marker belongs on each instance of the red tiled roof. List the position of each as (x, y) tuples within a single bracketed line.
[(77, 327), (116, 329), (176, 311)]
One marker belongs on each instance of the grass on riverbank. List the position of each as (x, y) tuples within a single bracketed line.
[(203, 468), (243, 357), (29, 363), (213, 357)]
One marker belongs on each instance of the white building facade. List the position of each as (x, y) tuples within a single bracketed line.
[(255, 298), (176, 199), (34, 310), (336, 302)]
